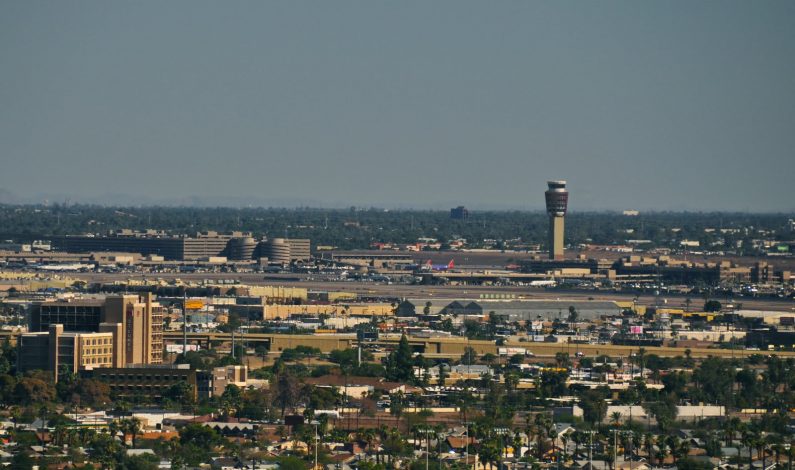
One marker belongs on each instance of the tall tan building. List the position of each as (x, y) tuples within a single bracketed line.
[(557, 199), (141, 322), (89, 333)]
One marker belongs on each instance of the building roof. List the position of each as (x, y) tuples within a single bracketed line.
[(353, 381)]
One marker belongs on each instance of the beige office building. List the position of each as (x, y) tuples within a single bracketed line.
[(89, 333), (56, 350), (300, 249), (141, 322)]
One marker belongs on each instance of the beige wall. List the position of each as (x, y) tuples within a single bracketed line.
[(285, 311), (278, 292), (94, 350)]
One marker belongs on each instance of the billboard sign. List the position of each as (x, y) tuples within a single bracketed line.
[(194, 304)]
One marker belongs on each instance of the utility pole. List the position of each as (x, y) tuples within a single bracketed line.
[(590, 432), (439, 450), (316, 445), (631, 448), (427, 447), (466, 447), (359, 337), (184, 323)]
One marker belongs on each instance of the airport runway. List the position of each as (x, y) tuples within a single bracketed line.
[(376, 289)]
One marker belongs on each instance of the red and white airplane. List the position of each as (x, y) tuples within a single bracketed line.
[(438, 267)]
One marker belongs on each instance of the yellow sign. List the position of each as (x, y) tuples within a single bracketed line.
[(194, 304)]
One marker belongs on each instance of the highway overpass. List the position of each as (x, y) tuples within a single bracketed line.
[(446, 347)]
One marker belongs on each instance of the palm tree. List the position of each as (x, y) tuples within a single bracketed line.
[(59, 434), (562, 359), (382, 433), (778, 448), (749, 440), (564, 439), (369, 437), (688, 357), (648, 441), (541, 429), (636, 439), (615, 418), (660, 454), (84, 436), (131, 426), (764, 442), (641, 359), (673, 444), (517, 445), (72, 436), (730, 426), (578, 438), (113, 429)]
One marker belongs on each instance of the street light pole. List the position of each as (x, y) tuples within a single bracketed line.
[(316, 445), (590, 432), (439, 449), (427, 447), (466, 445)]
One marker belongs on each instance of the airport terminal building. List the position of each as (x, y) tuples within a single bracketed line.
[(240, 246)]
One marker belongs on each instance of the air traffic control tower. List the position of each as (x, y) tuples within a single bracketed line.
[(557, 201)]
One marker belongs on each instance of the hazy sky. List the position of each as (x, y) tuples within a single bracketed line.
[(648, 105)]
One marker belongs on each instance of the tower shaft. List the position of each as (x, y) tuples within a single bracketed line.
[(556, 224)]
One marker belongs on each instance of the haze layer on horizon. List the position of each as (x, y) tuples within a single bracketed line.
[(639, 105)]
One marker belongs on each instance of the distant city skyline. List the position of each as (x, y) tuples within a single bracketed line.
[(649, 106)]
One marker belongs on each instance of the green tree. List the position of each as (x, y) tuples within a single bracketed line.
[(180, 392), (140, 462), (231, 399), (34, 389), (399, 364), (594, 406), (442, 374), (289, 462), (199, 436), (663, 410), (131, 427), (21, 461), (469, 357), (712, 306), (397, 402), (573, 314), (348, 359), (286, 391), (92, 392)]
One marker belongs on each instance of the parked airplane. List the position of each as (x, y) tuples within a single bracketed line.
[(438, 267), (64, 267)]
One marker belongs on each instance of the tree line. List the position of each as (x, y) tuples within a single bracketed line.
[(354, 228)]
